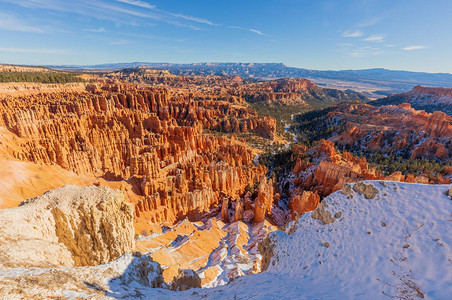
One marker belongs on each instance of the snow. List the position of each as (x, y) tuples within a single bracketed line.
[(406, 227), (374, 242)]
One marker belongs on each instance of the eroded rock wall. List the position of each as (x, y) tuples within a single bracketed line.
[(149, 136)]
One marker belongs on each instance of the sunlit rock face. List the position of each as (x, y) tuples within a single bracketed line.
[(149, 136), (395, 129), (420, 97)]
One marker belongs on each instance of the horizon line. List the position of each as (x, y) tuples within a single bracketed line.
[(81, 66)]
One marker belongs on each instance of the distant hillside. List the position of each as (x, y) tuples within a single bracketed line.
[(397, 81), (17, 68), (422, 98), (14, 73)]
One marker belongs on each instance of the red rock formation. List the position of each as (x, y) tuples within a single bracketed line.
[(398, 176), (307, 201), (264, 200), (392, 129), (423, 98), (440, 91), (324, 170), (148, 136), (225, 210), (239, 209)]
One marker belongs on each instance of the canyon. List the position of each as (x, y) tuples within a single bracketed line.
[(152, 144), (151, 139), (178, 175)]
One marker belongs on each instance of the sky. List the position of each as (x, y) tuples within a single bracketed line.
[(414, 35)]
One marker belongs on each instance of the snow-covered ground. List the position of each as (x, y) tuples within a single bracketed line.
[(401, 238), (398, 244)]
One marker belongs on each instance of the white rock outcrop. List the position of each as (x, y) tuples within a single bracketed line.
[(68, 226)]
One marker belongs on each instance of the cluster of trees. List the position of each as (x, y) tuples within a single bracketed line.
[(282, 114), (314, 126), (42, 77), (389, 163), (278, 163)]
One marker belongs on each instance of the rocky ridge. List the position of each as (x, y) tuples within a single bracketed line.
[(401, 128), (420, 97), (32, 88), (292, 91)]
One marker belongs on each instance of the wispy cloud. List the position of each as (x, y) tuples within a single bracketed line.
[(374, 20), (11, 23), (194, 19), (41, 51), (375, 38), (363, 52), (257, 31), (125, 12), (120, 42), (248, 29), (353, 51), (369, 22), (346, 44), (411, 48), (46, 4), (101, 29), (352, 33), (154, 8), (138, 3)]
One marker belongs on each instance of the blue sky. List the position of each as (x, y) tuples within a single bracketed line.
[(317, 34)]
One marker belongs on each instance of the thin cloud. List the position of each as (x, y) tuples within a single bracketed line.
[(41, 51), (411, 48), (11, 23), (194, 19), (256, 31), (124, 11), (46, 4), (362, 52), (352, 51), (101, 29), (138, 3), (374, 20), (248, 29), (120, 42), (108, 11), (369, 22), (181, 16), (352, 33), (375, 38), (155, 15)]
